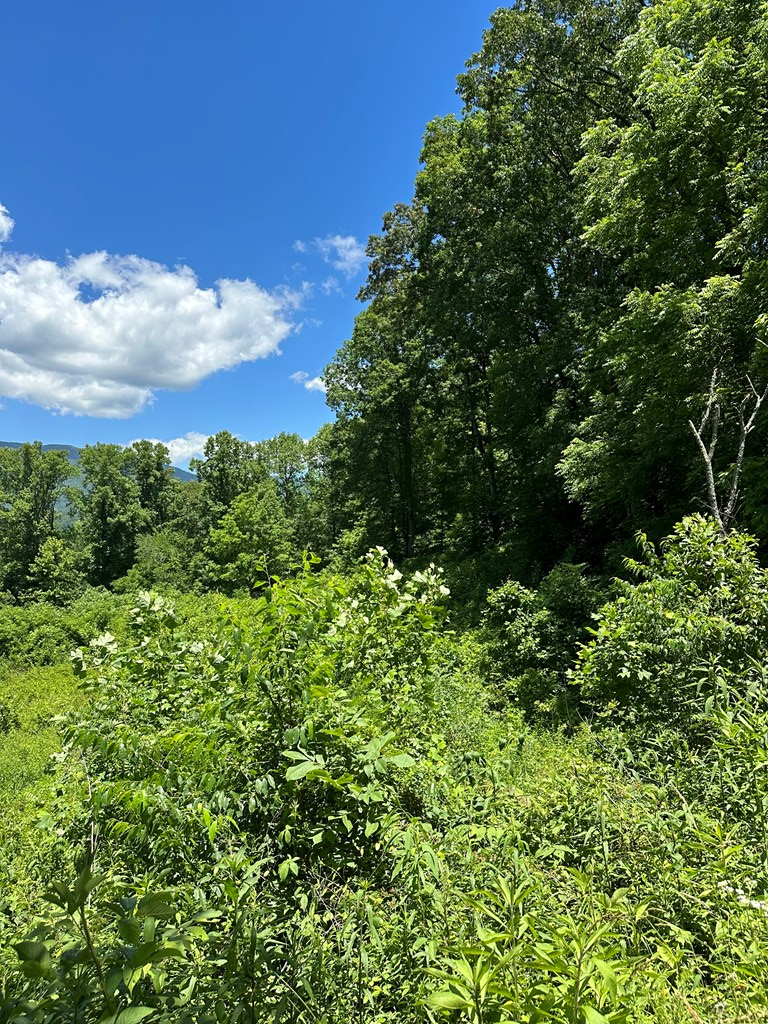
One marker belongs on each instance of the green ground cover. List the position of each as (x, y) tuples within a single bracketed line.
[(319, 809)]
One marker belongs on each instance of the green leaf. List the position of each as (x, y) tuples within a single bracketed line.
[(377, 744), (85, 884), (32, 951), (36, 958), (447, 1001), (155, 906), (609, 977), (298, 771), (402, 760), (593, 1016), (130, 1015), (62, 897), (130, 930)]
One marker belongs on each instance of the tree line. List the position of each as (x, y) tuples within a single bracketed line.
[(578, 276), (125, 521), (585, 246)]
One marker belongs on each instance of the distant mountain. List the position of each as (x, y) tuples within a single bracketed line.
[(73, 455)]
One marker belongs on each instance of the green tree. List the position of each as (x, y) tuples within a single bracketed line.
[(506, 281), (55, 576), (465, 371), (31, 483), (673, 208), (110, 512), (166, 558), (252, 541), (150, 466), (318, 522), (229, 469), (376, 387), (285, 459)]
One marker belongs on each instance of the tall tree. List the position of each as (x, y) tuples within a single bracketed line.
[(479, 290), (150, 466), (284, 457), (375, 384), (252, 541), (229, 468), (508, 283), (110, 510), (673, 201), (31, 483)]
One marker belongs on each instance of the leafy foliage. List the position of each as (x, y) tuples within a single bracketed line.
[(700, 605), (531, 637), (31, 482), (307, 801), (313, 812)]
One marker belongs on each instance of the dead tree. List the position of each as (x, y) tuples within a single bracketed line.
[(710, 425)]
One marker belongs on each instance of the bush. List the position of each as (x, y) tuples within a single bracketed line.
[(702, 601), (43, 634), (531, 638), (164, 559), (259, 773)]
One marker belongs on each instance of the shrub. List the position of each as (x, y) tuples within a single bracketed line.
[(39, 633), (701, 601), (531, 638)]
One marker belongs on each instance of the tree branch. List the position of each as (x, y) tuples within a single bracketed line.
[(711, 420), (745, 429), (707, 453)]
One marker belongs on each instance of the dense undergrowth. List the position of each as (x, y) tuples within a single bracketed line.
[(315, 806)]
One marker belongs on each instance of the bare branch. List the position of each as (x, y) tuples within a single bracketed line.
[(710, 422), (707, 452), (706, 455), (744, 431)]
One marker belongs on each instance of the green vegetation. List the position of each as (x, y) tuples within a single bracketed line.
[(348, 786), (321, 810), (28, 701)]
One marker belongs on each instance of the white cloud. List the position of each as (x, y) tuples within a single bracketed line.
[(181, 449), (342, 252), (294, 297), (6, 224), (310, 383), (330, 286), (99, 334)]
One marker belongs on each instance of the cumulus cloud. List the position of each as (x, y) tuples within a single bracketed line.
[(99, 334), (182, 449), (310, 383), (6, 224)]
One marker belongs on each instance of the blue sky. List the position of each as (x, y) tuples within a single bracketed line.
[(187, 189)]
